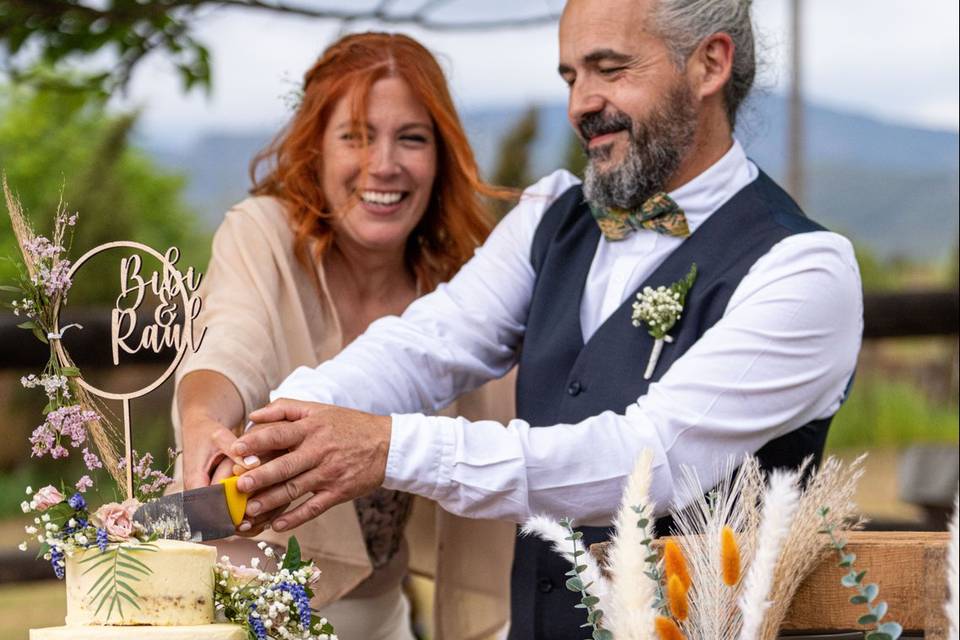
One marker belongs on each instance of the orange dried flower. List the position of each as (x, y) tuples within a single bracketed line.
[(729, 557), (677, 598), (667, 629), (674, 564)]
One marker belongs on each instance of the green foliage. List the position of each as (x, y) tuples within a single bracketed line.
[(575, 583), (513, 165), (884, 413), (121, 570), (866, 592), (683, 286), (55, 144), (292, 559), (52, 33), (652, 560)]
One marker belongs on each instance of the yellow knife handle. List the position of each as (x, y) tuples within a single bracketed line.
[(236, 501)]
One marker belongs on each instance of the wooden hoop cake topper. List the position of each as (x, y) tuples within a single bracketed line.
[(168, 285)]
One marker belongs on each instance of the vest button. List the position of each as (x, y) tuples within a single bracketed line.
[(575, 388), (544, 585)]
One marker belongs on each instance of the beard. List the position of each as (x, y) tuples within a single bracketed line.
[(656, 147)]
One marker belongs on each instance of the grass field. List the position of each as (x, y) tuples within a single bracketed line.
[(890, 414)]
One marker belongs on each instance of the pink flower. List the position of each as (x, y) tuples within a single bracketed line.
[(91, 460), (84, 483), (243, 573), (116, 519), (47, 497)]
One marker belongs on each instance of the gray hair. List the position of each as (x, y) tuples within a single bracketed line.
[(683, 25)]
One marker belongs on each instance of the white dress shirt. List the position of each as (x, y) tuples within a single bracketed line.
[(780, 357)]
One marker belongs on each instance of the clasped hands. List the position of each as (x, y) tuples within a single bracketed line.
[(297, 449)]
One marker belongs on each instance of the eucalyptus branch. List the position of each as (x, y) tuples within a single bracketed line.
[(653, 562), (866, 593), (575, 583)]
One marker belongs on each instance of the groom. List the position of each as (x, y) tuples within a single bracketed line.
[(758, 361)]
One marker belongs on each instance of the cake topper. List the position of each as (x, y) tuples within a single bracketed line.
[(167, 284)]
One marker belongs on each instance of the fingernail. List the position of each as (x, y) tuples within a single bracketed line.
[(251, 461), (244, 526), (279, 525), (253, 507), (239, 448), (245, 484)]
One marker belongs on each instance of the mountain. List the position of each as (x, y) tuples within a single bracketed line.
[(892, 188)]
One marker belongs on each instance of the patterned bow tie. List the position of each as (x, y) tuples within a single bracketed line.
[(659, 213)]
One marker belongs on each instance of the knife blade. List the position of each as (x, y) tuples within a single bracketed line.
[(197, 515)]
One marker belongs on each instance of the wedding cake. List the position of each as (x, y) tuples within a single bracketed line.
[(174, 598)]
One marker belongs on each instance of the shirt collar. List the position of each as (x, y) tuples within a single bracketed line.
[(707, 192)]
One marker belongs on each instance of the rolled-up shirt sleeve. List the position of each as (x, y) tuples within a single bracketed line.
[(781, 356)]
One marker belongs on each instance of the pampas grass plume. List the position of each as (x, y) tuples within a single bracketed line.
[(556, 534), (729, 556), (633, 593), (667, 629), (677, 597), (674, 564), (779, 507)]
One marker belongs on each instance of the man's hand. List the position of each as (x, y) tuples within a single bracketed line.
[(333, 453)]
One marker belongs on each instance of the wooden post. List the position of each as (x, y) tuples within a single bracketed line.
[(795, 162)]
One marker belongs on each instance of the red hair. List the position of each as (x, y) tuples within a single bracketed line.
[(456, 220)]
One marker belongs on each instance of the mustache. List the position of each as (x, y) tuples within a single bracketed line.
[(598, 123)]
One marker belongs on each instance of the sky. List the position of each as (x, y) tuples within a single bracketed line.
[(892, 59)]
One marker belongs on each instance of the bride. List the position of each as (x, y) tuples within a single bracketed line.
[(369, 198)]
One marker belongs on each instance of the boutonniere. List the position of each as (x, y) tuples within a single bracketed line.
[(660, 309)]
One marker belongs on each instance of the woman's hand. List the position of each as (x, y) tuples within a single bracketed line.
[(209, 405), (206, 452)]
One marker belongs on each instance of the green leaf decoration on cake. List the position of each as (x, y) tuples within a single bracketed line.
[(121, 569)]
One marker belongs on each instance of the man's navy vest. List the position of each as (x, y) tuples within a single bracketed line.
[(563, 380)]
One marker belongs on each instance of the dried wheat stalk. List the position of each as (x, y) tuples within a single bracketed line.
[(832, 486)]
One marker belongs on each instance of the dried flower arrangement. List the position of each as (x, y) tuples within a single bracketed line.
[(741, 551), (267, 605)]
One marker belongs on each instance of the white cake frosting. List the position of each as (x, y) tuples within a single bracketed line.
[(178, 592)]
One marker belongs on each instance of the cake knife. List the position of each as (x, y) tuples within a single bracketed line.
[(207, 513)]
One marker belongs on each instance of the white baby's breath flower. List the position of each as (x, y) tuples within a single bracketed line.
[(22, 546), (25, 507)]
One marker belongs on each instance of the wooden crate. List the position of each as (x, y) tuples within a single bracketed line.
[(909, 567)]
